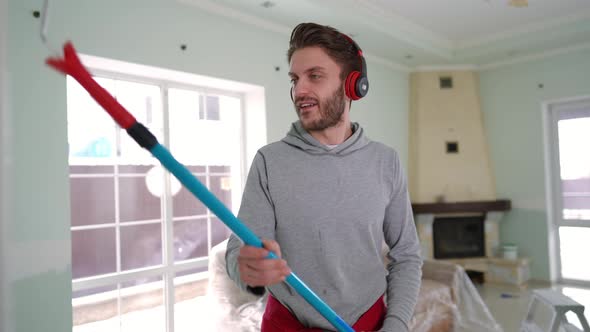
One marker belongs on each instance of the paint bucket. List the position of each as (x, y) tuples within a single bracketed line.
[(510, 251)]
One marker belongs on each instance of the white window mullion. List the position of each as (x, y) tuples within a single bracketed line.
[(168, 226), (131, 275), (117, 201), (208, 185), (243, 171), (556, 209), (118, 217), (117, 277)]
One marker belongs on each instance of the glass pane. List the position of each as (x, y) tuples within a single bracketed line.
[(155, 180), (576, 198), (212, 108), (191, 307), (184, 105), (92, 169), (92, 200), (141, 246), (226, 170), (197, 170), (190, 239), (144, 101), (185, 139), (219, 231), (134, 169), (127, 308), (91, 131), (136, 201), (574, 247), (132, 153), (204, 142), (184, 203), (220, 186), (218, 143), (93, 252), (574, 159)]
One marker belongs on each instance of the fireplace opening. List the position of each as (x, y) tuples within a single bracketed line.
[(477, 277), (458, 237)]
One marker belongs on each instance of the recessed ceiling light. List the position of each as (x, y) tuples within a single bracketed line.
[(268, 4), (518, 3)]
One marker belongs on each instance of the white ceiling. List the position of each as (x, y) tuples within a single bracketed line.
[(411, 34), (472, 20)]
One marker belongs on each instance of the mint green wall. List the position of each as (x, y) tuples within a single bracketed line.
[(36, 236), (3, 163), (511, 103)]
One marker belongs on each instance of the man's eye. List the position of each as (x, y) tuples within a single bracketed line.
[(293, 81), (315, 76)]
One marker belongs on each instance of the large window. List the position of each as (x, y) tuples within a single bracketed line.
[(568, 140), (140, 241)]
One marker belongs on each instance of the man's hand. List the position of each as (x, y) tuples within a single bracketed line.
[(256, 269)]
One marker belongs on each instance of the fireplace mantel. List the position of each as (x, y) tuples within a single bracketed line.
[(460, 207)]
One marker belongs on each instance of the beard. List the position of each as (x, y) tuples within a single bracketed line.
[(330, 112)]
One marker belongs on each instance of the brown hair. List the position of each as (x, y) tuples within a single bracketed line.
[(337, 45)]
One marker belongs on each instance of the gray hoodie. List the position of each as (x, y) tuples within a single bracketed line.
[(330, 211)]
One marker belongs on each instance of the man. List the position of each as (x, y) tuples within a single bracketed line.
[(324, 198)]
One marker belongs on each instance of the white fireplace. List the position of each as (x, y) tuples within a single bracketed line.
[(425, 222), (488, 263)]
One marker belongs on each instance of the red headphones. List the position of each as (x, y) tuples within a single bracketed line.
[(356, 84)]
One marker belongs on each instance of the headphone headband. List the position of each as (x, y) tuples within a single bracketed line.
[(357, 83)]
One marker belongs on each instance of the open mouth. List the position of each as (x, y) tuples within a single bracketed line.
[(306, 106)]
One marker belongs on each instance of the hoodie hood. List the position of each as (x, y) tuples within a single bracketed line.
[(301, 139)]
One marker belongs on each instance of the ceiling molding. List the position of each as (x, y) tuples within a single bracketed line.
[(445, 68), (398, 27), (530, 28), (231, 13), (537, 56), (258, 22), (404, 30), (387, 63)]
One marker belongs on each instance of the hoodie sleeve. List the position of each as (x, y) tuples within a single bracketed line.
[(405, 267), (257, 213)]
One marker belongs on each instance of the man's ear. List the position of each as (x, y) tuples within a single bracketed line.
[(346, 98), (343, 87)]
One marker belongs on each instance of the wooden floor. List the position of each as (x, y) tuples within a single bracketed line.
[(507, 304)]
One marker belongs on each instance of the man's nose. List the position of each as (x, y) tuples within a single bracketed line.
[(301, 88)]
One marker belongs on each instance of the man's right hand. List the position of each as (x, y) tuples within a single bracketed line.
[(256, 269)]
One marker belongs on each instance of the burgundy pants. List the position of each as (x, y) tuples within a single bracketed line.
[(277, 318)]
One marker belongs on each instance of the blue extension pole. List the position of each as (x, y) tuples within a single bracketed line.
[(216, 206)]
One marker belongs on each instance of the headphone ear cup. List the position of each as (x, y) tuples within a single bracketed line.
[(362, 86), (350, 85)]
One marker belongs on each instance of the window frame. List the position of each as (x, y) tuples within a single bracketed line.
[(554, 193), (168, 269)]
